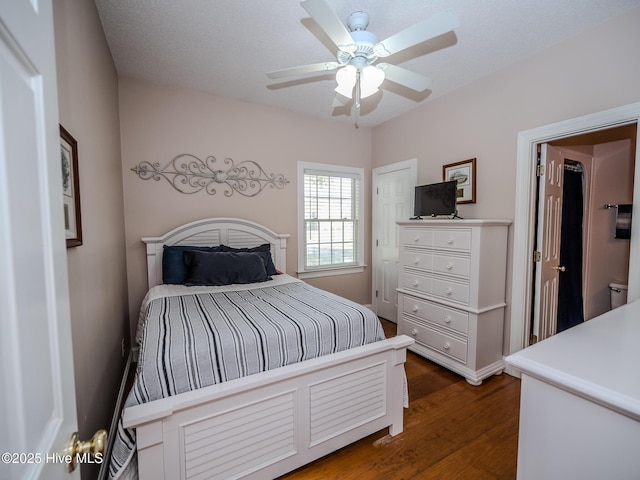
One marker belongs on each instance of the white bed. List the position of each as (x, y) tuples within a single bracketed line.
[(322, 404)]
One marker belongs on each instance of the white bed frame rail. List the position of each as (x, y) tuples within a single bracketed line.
[(271, 423), (267, 424)]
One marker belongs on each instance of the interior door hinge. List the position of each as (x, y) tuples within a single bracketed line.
[(537, 256), (376, 293), (540, 170), (376, 243), (533, 339)]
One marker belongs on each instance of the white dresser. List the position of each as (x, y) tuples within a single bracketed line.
[(451, 292), (580, 401)]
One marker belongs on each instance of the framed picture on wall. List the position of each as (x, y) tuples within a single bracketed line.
[(70, 188), (464, 173)]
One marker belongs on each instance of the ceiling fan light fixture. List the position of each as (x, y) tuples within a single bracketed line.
[(371, 78), (358, 50), (346, 78)]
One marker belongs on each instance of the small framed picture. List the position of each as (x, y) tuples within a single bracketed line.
[(465, 174), (70, 188)]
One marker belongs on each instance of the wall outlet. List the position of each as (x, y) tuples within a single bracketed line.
[(122, 345)]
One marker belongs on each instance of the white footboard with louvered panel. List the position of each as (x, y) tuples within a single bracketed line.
[(271, 423)]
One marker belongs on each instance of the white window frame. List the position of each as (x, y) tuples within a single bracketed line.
[(330, 270)]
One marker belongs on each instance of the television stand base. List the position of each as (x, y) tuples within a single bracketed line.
[(449, 217)]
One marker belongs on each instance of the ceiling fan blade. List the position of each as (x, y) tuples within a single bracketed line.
[(421, 32), (340, 101), (405, 77), (328, 21), (315, 67)]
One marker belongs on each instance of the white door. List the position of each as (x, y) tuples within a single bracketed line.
[(548, 268), (393, 196), (37, 399)]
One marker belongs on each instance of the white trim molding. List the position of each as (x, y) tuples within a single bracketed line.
[(523, 240)]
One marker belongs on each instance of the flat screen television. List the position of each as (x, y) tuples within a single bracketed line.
[(436, 199)]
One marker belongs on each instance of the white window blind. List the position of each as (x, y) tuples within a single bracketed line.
[(331, 218)]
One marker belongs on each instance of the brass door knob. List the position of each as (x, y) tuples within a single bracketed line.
[(76, 447), (560, 268)]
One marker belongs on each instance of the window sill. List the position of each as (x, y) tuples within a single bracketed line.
[(328, 272)]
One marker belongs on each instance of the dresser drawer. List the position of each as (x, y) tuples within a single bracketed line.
[(439, 342), (423, 261), (418, 283), (418, 238), (452, 239), (456, 292), (452, 265), (446, 317)]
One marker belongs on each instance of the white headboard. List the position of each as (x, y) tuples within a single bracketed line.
[(233, 232)]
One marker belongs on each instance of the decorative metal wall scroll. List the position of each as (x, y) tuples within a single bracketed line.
[(189, 174)]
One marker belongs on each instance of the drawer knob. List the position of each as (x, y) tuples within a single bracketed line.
[(447, 319), (449, 266), (450, 240), (416, 283), (446, 346), (448, 291), (415, 308), (416, 238), (414, 332), (416, 261)]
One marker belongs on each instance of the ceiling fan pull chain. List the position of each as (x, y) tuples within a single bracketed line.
[(357, 98)]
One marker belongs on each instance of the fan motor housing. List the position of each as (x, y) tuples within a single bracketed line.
[(358, 21), (363, 41), (362, 37)]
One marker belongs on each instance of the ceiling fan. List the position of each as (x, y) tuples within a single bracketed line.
[(358, 76)]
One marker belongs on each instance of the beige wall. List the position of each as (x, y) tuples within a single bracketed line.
[(159, 123), (588, 73), (88, 105), (612, 183)]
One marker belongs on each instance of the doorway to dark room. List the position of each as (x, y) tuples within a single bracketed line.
[(577, 254)]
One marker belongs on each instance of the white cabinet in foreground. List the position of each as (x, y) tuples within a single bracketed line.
[(580, 401)]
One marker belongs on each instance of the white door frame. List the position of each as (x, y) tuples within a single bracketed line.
[(412, 165), (524, 234)]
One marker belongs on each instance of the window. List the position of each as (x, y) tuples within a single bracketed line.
[(330, 219)]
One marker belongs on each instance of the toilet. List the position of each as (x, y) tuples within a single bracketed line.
[(618, 293)]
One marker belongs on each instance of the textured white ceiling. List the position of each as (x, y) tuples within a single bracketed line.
[(225, 47)]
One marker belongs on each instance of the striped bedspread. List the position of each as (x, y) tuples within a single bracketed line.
[(215, 334)]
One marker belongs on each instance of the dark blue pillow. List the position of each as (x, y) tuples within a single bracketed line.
[(265, 252), (224, 268), (174, 271)]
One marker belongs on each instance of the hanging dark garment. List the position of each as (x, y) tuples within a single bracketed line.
[(570, 311)]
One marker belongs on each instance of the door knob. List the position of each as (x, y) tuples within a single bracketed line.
[(560, 268), (77, 447)]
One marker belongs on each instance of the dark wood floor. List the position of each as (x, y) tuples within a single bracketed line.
[(452, 430)]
